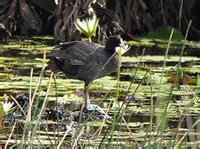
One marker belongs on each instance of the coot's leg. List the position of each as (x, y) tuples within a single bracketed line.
[(88, 106), (86, 95)]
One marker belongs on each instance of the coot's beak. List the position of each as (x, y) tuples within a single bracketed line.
[(122, 48)]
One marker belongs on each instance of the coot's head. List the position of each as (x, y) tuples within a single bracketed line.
[(112, 43)]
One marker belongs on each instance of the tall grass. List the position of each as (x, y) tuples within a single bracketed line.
[(33, 115)]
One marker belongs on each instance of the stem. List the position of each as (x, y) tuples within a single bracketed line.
[(89, 39)]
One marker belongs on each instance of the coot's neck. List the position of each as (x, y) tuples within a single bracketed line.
[(110, 49), (112, 43)]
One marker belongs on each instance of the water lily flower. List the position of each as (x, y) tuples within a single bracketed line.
[(122, 48), (7, 106), (56, 2), (87, 27)]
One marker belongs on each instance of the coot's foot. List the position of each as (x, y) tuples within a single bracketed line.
[(95, 112), (95, 109)]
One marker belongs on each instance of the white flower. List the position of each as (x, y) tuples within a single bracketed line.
[(56, 2), (87, 27), (122, 48), (7, 106)]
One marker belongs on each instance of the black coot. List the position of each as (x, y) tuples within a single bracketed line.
[(86, 61)]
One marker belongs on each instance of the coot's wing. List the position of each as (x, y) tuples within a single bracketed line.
[(74, 51), (70, 57), (56, 56), (66, 51), (56, 52)]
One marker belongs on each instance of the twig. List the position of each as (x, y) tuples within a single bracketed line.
[(67, 131), (13, 128)]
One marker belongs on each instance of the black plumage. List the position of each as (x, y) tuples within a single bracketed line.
[(86, 61)]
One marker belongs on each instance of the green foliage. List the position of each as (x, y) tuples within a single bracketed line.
[(164, 33)]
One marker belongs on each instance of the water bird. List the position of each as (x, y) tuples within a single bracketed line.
[(86, 61)]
